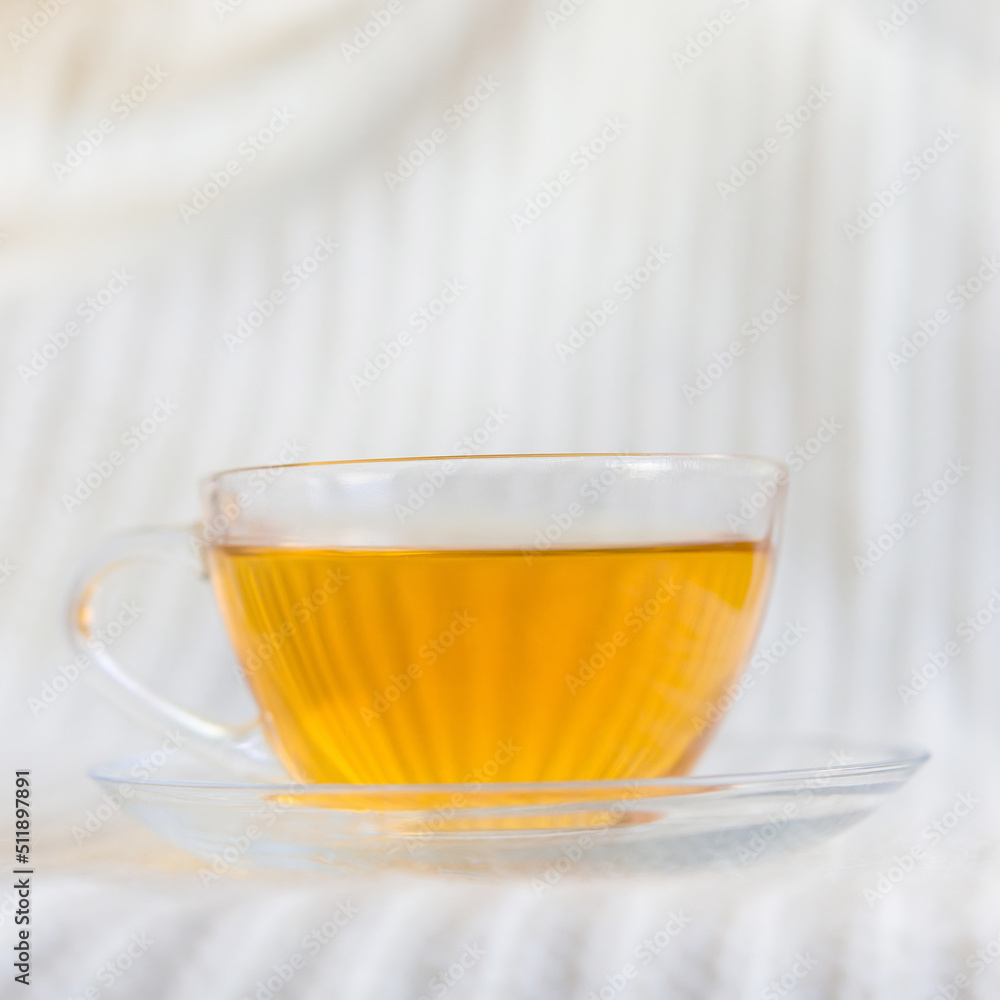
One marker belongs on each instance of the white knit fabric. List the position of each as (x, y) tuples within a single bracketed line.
[(885, 81)]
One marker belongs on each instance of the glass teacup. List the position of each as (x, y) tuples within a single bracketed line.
[(484, 618)]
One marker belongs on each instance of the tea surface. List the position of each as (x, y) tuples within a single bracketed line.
[(494, 665)]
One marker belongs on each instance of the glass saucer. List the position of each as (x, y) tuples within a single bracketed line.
[(747, 800)]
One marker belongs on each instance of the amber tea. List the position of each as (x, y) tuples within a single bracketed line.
[(391, 665)]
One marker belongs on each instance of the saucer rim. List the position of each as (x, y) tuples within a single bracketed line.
[(883, 759)]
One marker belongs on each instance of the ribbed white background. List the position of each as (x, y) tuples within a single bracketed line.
[(655, 186)]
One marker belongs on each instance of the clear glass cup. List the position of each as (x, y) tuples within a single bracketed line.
[(507, 618)]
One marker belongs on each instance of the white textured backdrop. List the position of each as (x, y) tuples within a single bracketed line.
[(201, 80)]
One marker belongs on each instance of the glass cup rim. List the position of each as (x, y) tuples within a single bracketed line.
[(778, 468)]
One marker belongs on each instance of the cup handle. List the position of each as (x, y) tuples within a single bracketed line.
[(240, 748)]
